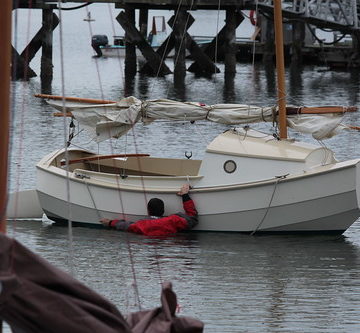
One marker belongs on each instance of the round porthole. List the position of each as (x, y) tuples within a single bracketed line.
[(229, 166)]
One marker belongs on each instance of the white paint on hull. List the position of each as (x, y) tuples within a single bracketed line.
[(24, 205), (315, 193), (304, 204)]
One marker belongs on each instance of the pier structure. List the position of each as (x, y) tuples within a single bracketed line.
[(341, 16)]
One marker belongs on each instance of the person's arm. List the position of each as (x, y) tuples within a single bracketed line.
[(121, 225), (188, 204), (189, 207)]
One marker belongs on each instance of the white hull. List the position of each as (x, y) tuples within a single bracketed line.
[(324, 199), (24, 205)]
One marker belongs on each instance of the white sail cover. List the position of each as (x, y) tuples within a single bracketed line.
[(104, 121)]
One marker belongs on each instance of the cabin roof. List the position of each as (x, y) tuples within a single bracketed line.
[(260, 145)]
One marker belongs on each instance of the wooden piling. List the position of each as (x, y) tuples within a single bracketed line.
[(143, 21), (46, 73), (134, 36), (163, 51), (217, 42), (21, 68), (230, 41), (355, 57), (269, 42), (179, 30), (205, 64), (130, 48), (298, 36)]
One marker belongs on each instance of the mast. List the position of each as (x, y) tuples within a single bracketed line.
[(5, 59), (280, 67)]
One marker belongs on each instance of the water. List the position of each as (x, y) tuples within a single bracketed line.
[(234, 283)]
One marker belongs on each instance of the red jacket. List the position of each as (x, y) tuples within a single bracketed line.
[(162, 226)]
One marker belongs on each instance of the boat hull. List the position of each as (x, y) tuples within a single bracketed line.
[(318, 201)]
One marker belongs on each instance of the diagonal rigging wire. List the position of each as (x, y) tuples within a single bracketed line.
[(62, 69), (22, 118)]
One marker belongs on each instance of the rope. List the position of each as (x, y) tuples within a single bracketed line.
[(163, 55), (255, 26), (114, 33), (92, 199), (321, 42), (62, 69), (22, 117), (132, 265), (73, 8), (216, 50), (182, 38), (268, 208)]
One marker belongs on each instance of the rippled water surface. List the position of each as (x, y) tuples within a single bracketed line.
[(233, 282)]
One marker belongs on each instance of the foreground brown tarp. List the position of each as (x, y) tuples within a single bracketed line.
[(163, 319), (37, 297)]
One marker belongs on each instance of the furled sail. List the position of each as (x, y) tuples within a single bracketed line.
[(115, 119)]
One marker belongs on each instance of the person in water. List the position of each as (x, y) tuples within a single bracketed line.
[(156, 224)]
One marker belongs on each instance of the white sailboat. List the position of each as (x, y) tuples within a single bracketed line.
[(247, 181)]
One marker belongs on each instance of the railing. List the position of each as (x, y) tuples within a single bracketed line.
[(341, 12)]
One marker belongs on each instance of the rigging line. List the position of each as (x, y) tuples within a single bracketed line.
[(67, 169), (255, 26), (73, 8), (22, 117), (320, 41), (216, 51), (146, 201), (92, 199), (166, 47), (96, 63), (118, 58), (205, 139), (182, 40), (102, 96), (268, 207), (132, 265)]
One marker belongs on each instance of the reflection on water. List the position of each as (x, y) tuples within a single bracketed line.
[(233, 282)]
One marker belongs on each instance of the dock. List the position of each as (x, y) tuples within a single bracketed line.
[(301, 18)]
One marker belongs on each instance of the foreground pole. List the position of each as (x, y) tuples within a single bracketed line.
[(5, 59), (280, 67)]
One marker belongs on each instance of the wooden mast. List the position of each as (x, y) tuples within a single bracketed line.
[(5, 59), (280, 68)]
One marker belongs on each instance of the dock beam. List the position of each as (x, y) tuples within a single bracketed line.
[(43, 38), (298, 36), (134, 38), (230, 41), (269, 42), (179, 30), (130, 47), (46, 72), (219, 41)]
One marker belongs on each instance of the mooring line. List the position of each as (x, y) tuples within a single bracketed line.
[(268, 208)]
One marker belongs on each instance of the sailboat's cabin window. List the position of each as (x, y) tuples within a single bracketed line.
[(229, 166)]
